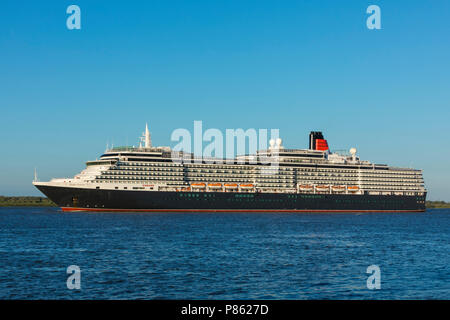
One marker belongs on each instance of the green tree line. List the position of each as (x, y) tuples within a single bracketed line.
[(25, 202)]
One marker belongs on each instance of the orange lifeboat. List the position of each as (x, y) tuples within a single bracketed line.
[(306, 187), (214, 185), (198, 185), (338, 188), (323, 188), (353, 188), (230, 185), (247, 186)]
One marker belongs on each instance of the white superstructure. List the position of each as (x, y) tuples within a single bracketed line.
[(148, 168)]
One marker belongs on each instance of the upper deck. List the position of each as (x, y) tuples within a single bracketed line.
[(275, 169)]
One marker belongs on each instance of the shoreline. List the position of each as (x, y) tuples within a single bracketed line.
[(26, 201)]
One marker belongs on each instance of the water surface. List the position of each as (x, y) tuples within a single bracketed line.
[(223, 256)]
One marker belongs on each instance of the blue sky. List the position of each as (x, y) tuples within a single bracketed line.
[(293, 65)]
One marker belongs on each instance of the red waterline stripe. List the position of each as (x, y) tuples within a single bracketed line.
[(70, 209)]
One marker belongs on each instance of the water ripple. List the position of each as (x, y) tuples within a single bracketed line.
[(223, 256)]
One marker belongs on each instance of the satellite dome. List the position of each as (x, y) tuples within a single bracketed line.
[(272, 142)]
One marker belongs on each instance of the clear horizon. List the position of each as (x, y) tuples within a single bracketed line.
[(296, 66)]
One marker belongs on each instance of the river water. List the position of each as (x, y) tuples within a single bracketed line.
[(223, 256)]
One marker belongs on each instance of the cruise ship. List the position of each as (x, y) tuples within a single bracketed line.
[(157, 179)]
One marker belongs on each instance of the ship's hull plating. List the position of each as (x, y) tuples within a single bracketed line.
[(79, 199)]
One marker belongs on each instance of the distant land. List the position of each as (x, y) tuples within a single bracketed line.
[(26, 202), (44, 202), (437, 204)]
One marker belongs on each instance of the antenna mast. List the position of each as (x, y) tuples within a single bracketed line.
[(148, 140)]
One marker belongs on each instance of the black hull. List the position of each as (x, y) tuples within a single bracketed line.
[(77, 199)]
